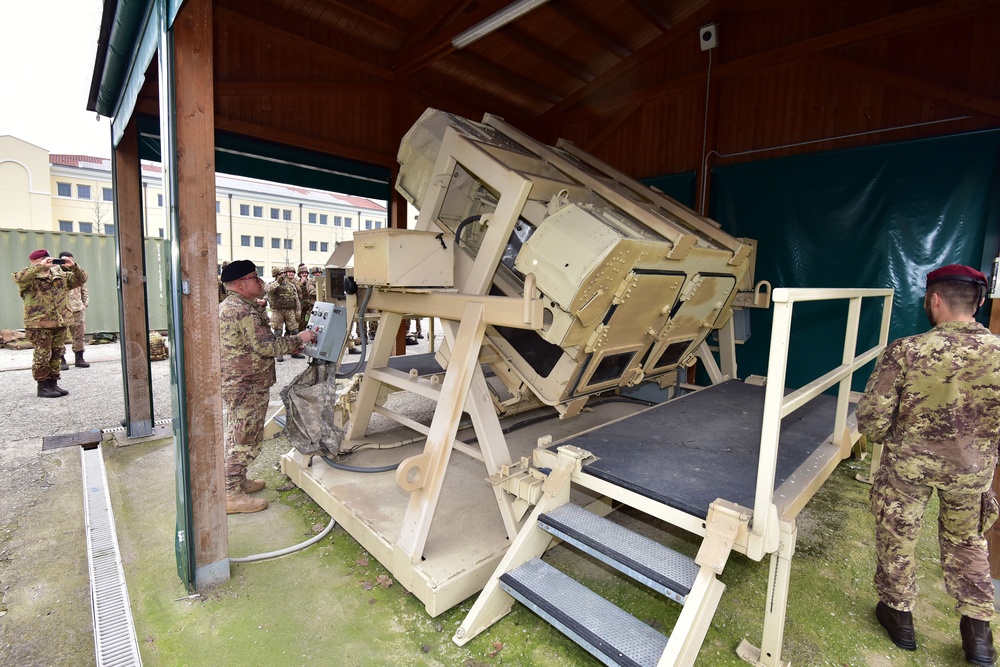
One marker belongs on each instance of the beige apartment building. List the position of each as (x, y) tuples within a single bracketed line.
[(269, 223)]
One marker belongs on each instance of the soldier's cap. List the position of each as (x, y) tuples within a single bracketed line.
[(38, 254), (238, 269), (960, 272)]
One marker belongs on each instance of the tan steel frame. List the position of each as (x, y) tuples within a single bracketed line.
[(766, 529)]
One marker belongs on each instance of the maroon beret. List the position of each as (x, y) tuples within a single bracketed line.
[(38, 254), (960, 272)]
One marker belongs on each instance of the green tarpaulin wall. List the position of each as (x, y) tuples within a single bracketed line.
[(881, 216)]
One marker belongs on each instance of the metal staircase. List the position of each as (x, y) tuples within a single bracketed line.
[(609, 633)]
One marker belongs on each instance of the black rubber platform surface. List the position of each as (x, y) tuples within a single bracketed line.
[(704, 446)]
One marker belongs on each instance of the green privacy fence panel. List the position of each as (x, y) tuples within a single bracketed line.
[(680, 186), (880, 216), (96, 254)]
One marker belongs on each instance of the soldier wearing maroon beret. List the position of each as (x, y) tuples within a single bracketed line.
[(248, 350), (933, 401), (45, 293)]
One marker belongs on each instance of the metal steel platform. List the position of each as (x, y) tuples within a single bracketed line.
[(691, 451)]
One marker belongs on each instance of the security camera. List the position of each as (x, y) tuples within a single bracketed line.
[(709, 37)]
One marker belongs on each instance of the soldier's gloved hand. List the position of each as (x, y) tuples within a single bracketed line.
[(307, 336)]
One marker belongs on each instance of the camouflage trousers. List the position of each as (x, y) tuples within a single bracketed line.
[(50, 346), (304, 315), (246, 410), (898, 506), (76, 330), (285, 320)]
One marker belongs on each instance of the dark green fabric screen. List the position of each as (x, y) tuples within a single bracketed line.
[(881, 216), (680, 186)]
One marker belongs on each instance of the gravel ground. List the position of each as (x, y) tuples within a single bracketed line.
[(45, 615)]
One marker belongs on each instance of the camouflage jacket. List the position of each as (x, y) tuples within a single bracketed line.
[(79, 299), (933, 400), (46, 294), (222, 291), (307, 293), (282, 294), (248, 347)]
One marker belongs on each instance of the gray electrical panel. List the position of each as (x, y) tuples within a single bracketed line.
[(329, 321)]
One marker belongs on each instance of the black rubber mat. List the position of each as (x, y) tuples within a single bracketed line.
[(691, 451)]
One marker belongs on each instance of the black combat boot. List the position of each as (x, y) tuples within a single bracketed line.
[(80, 363), (297, 355), (46, 391), (280, 357), (977, 642), (63, 366), (899, 625), (53, 385)]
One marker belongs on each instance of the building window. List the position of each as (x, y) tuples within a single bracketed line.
[(312, 246), (218, 206), (322, 218), (109, 229), (368, 224), (258, 242), (83, 192), (64, 189), (107, 194), (288, 244), (312, 218), (218, 239), (258, 211), (244, 209), (378, 224), (275, 213), (245, 241), (159, 200), (347, 222), (87, 227), (160, 234), (275, 242), (337, 221), (323, 245), (286, 214), (65, 225)]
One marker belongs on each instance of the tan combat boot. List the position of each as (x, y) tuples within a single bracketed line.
[(253, 485), (241, 503)]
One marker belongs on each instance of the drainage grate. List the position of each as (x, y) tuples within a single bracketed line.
[(114, 631)]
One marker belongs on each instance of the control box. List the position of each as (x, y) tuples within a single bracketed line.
[(329, 321), (404, 258)]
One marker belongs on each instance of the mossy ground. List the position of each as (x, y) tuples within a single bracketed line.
[(326, 605)]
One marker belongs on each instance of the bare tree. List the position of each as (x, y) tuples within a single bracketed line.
[(100, 214)]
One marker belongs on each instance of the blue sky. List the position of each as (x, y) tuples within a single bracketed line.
[(47, 48)]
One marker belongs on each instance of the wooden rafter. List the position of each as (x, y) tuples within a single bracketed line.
[(887, 26), (960, 98), (367, 12), (498, 74), (651, 14), (592, 29), (268, 31), (303, 141), (241, 88), (433, 22), (525, 41), (438, 45)]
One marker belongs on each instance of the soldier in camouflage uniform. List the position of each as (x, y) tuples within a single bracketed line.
[(46, 295), (77, 318), (307, 295), (248, 348), (222, 287), (934, 402), (282, 296)]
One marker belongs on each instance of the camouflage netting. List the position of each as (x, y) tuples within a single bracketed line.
[(309, 411)]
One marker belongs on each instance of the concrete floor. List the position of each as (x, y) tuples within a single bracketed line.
[(334, 604)]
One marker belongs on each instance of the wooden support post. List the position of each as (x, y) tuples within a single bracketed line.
[(127, 189), (195, 244)]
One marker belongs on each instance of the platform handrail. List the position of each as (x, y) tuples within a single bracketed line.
[(777, 405)]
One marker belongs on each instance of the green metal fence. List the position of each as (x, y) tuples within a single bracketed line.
[(96, 254)]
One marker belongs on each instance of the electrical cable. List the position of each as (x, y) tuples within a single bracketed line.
[(287, 550), (462, 225), (364, 336), (343, 466)]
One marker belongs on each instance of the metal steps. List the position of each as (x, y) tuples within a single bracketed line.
[(610, 634), (662, 569)]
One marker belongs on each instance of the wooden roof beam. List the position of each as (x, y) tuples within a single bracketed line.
[(960, 98), (246, 88), (887, 26), (365, 11), (550, 56), (508, 78), (651, 14), (267, 31), (311, 143), (595, 31)]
